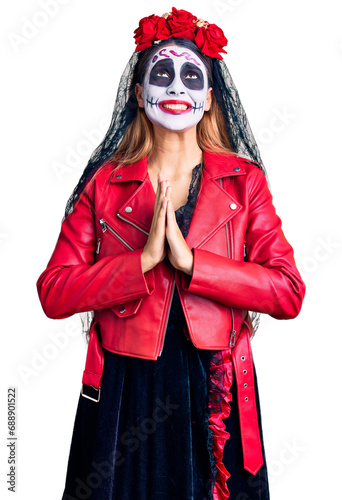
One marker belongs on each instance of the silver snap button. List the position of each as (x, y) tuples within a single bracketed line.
[(237, 169), (243, 358), (246, 398), (245, 384), (233, 206), (128, 210), (122, 310), (244, 371)]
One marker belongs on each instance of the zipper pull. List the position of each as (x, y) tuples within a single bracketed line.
[(103, 225), (232, 338), (98, 246)]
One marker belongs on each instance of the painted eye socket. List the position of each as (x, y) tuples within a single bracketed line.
[(162, 74), (192, 76)]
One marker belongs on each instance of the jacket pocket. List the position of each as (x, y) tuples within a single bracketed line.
[(127, 309)]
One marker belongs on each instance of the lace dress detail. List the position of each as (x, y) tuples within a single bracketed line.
[(184, 213)]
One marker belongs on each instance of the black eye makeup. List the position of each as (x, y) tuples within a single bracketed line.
[(192, 76), (163, 74)]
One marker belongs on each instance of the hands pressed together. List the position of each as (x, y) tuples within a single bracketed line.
[(165, 237)]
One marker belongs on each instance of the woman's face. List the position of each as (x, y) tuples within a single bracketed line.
[(175, 90)]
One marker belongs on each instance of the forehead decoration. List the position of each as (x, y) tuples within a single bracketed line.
[(188, 56)]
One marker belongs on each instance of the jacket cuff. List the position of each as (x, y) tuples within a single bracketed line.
[(189, 281), (135, 283), (147, 278), (202, 281)]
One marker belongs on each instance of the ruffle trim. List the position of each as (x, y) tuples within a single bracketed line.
[(221, 378)]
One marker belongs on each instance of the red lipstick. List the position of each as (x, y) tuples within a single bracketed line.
[(175, 111)]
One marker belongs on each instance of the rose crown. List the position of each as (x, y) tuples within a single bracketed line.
[(209, 38)]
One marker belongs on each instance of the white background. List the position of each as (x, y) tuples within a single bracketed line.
[(58, 90)]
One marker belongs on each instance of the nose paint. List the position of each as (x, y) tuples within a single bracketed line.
[(175, 88)]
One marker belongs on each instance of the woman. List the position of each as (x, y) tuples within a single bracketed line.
[(169, 239)]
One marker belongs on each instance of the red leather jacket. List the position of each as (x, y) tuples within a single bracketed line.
[(242, 261)]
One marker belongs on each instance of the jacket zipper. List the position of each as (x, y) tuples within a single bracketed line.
[(168, 315), (132, 224), (226, 226), (173, 286), (106, 226), (232, 332), (227, 237)]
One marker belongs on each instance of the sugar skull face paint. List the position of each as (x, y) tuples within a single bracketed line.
[(175, 88)]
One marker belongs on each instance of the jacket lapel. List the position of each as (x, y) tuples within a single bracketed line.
[(138, 208), (214, 206)]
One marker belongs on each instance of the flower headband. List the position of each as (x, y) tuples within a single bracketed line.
[(209, 38)]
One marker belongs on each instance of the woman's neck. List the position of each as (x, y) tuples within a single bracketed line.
[(174, 152)]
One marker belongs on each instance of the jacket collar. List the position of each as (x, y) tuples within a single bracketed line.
[(215, 206), (216, 165)]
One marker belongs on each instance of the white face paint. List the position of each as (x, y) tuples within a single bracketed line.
[(175, 88)]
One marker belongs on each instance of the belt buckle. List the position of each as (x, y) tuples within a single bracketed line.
[(89, 397), (232, 338)]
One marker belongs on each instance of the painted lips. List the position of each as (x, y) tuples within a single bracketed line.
[(175, 107)]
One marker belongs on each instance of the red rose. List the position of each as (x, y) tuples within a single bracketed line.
[(211, 41), (209, 38), (181, 24), (216, 35), (180, 18), (163, 29), (146, 32)]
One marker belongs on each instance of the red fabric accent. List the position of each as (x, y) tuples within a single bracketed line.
[(221, 378), (92, 374), (250, 433)]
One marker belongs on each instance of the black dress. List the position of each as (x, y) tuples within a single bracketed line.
[(151, 436)]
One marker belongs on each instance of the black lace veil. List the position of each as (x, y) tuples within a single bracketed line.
[(125, 110)]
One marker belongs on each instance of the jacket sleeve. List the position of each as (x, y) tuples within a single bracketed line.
[(75, 282), (268, 281)]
